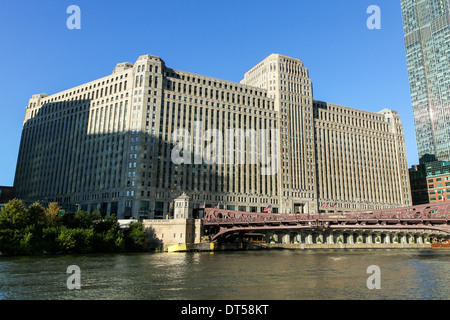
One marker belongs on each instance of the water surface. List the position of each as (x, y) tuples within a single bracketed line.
[(260, 275)]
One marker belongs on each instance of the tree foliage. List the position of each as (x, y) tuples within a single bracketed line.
[(45, 230), (13, 216)]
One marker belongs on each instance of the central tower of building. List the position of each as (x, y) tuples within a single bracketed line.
[(287, 82)]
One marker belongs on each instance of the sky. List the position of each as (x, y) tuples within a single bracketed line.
[(349, 64)]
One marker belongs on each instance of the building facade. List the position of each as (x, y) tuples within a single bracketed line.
[(287, 83), (430, 181), (438, 181), (360, 159), (6, 194), (419, 186), (132, 142), (427, 42), (333, 158)]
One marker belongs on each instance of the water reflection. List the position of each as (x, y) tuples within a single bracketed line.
[(279, 275)]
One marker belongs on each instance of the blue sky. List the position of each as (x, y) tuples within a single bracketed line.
[(349, 64)]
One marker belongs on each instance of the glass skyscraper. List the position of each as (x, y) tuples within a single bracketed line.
[(426, 26)]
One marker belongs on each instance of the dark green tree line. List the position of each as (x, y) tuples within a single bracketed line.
[(39, 230)]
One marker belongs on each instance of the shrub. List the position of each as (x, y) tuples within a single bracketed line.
[(135, 237), (48, 242), (83, 240), (82, 219), (35, 215), (9, 242), (39, 230), (25, 245), (66, 241), (13, 216), (52, 214)]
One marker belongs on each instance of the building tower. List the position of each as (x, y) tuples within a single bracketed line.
[(426, 25), (287, 82)]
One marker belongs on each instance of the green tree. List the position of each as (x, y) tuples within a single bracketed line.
[(9, 241), (105, 224), (113, 240), (65, 240), (13, 216), (35, 215), (68, 220), (82, 219), (25, 243), (48, 239), (135, 237), (83, 240), (53, 216), (96, 215)]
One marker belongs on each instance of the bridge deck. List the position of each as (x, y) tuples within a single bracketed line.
[(426, 217)]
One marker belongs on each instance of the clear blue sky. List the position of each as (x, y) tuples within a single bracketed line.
[(349, 64)]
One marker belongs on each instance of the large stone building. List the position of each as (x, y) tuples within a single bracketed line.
[(360, 159), (332, 158), (133, 141)]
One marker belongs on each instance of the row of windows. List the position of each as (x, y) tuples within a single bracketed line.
[(440, 198), (102, 90), (225, 96), (439, 179), (214, 104), (438, 185), (214, 83)]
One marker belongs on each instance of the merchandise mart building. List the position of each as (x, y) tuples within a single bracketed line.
[(109, 144)]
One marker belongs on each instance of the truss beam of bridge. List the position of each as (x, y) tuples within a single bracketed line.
[(433, 217)]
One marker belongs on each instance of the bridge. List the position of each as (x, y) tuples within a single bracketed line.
[(412, 224)]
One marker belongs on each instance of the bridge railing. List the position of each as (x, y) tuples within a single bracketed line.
[(430, 211)]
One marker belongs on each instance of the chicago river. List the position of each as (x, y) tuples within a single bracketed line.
[(259, 275)]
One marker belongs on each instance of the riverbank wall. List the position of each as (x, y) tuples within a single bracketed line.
[(212, 247)]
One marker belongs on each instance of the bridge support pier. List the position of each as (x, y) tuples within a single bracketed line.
[(349, 239), (308, 238), (419, 239), (404, 238), (330, 238)]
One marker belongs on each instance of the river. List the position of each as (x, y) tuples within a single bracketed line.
[(256, 275)]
